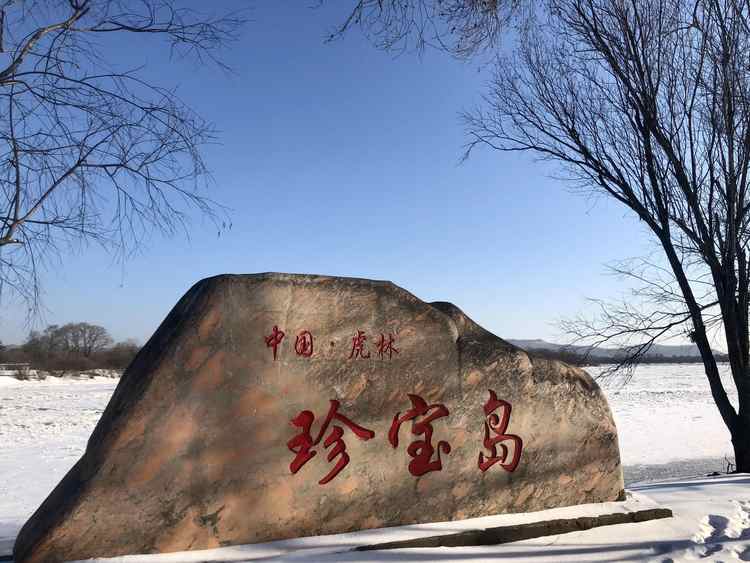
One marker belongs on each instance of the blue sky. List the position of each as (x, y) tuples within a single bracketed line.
[(340, 159)]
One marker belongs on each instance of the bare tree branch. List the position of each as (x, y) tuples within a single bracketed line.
[(463, 28), (89, 153)]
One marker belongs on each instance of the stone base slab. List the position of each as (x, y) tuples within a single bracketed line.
[(486, 530), (519, 532)]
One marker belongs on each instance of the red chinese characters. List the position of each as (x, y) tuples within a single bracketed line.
[(498, 425), (386, 346), (302, 443), (274, 339), (358, 346), (422, 450), (304, 344)]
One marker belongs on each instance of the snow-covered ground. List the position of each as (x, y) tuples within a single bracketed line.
[(44, 426), (664, 415)]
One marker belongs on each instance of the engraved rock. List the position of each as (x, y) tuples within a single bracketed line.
[(272, 406)]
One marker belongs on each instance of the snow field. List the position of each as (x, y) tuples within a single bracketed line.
[(665, 413)]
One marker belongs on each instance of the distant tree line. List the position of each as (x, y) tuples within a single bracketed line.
[(576, 358), (568, 356), (71, 347)]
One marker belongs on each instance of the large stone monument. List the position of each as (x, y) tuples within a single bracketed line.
[(272, 406)]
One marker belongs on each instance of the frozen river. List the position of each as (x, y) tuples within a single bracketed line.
[(664, 414)]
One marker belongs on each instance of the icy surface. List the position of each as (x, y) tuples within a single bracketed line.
[(666, 413)]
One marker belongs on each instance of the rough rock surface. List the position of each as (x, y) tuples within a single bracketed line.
[(203, 443)]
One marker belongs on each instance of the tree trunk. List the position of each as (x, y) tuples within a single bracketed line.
[(741, 443), (740, 428)]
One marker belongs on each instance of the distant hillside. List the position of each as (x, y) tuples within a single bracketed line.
[(659, 352)]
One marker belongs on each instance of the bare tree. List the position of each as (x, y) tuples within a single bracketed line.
[(76, 339), (90, 152), (648, 102), (85, 339), (46, 342)]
